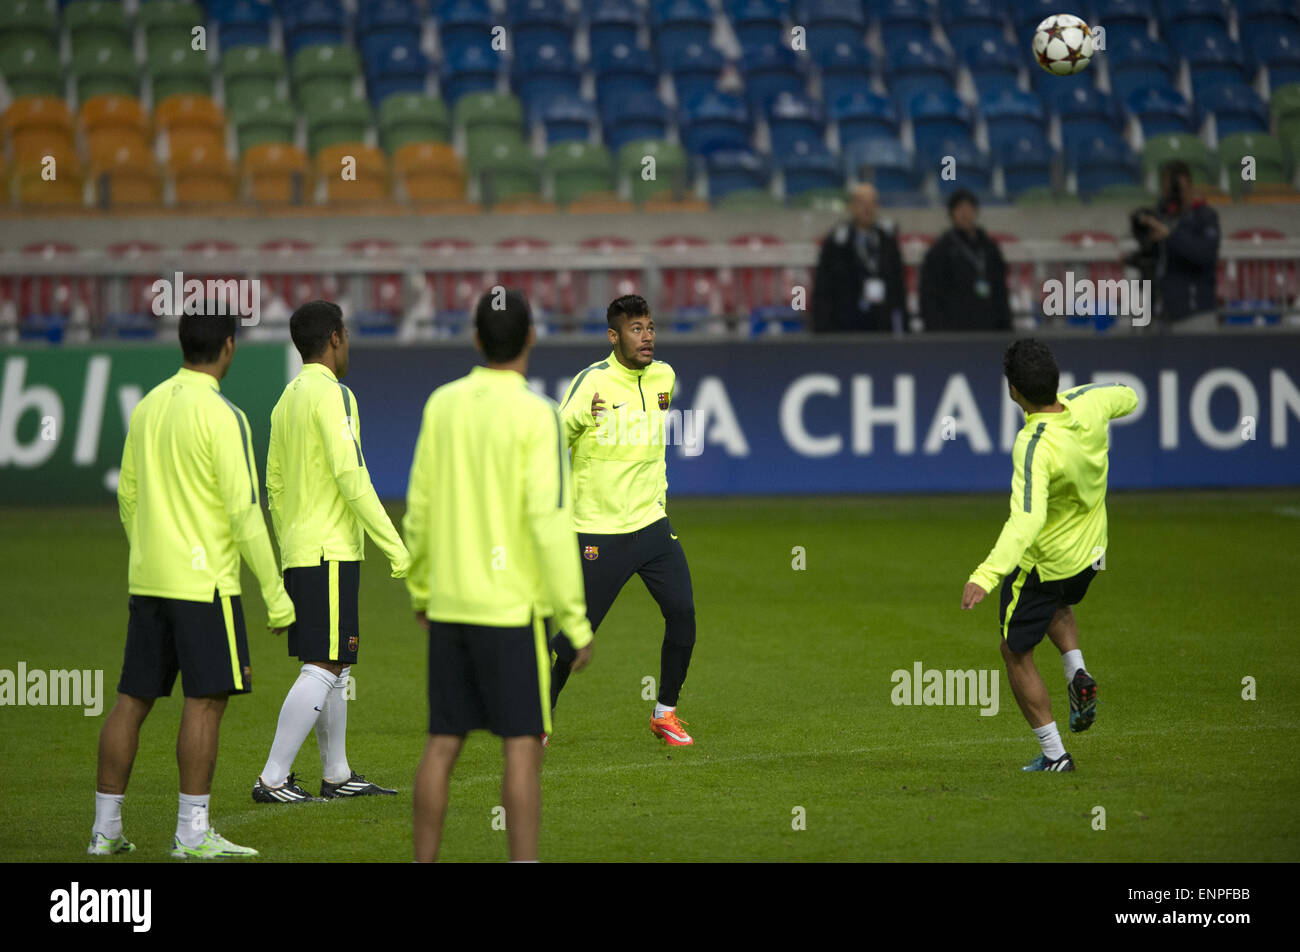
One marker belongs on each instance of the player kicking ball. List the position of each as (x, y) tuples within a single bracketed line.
[(620, 486), (1047, 552), (322, 505)]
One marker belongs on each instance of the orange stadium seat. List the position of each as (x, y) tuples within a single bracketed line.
[(275, 173), (104, 146), (66, 190), (430, 172), (600, 203), (191, 121), (666, 203), (38, 126), (110, 112), (202, 174), (371, 181), (125, 180)]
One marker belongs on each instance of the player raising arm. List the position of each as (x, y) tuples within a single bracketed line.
[(188, 498), (1055, 537)]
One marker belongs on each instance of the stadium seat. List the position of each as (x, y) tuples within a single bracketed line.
[(1010, 115), (668, 176), (191, 121), (537, 23), (276, 174), (1258, 20), (39, 125), (169, 23), (251, 71), (28, 24), (463, 25), (334, 120), (680, 23), (430, 172), (112, 122), (884, 163), (412, 117), (371, 181), (263, 120), (769, 71), (994, 64), (808, 166), (1137, 62), (622, 72), (793, 119), (1265, 150), (545, 73), (31, 69), (326, 70), (201, 176), (846, 68), (1235, 107), (1214, 61), (1099, 162), (1123, 19), (104, 69), (695, 69), (1085, 113), (470, 69), (830, 23), (242, 23), (1280, 52), (1188, 148), (177, 70), (1186, 22), (312, 23), (757, 22), (125, 181), (396, 66), (506, 170), (636, 116), (1026, 163), (612, 23), (1161, 110), (93, 23), (970, 22), (715, 121), (936, 116), (915, 67), (568, 119), (829, 200), (904, 21), (864, 116), (1043, 197), (486, 117), (579, 169), (748, 200), (972, 167), (1131, 195)]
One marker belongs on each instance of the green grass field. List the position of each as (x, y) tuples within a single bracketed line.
[(788, 698)]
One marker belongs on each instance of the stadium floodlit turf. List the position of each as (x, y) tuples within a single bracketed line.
[(789, 698)]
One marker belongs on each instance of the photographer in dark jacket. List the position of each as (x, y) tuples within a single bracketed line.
[(1181, 239), (964, 276), (859, 281)]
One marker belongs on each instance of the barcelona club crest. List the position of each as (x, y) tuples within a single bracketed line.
[(663, 401), (352, 642), (591, 553)]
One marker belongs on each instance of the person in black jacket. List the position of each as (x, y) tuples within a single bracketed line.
[(859, 281), (964, 276), (1185, 233)]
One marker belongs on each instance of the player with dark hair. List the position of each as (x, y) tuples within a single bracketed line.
[(1048, 550), (322, 505), (493, 553), (188, 498), (620, 513)]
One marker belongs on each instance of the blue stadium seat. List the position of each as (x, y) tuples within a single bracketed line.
[(1122, 19), (713, 121), (994, 64), (863, 117), (537, 23), (312, 23), (903, 21), (937, 116), (1160, 109), (395, 19), (544, 73), (611, 22), (1185, 22), (831, 22), (1257, 20), (1087, 113), (679, 23), (634, 116), (568, 118), (792, 118), (1137, 62), (1027, 14), (464, 24), (622, 71), (807, 166), (846, 68), (757, 22), (397, 66), (242, 23), (970, 22), (731, 170), (1235, 107), (917, 66), (1102, 161), (1026, 163), (1281, 54), (972, 167), (1011, 114), (1214, 61), (470, 69), (695, 70), (769, 71), (884, 163)]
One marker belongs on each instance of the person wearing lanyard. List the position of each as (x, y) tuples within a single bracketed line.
[(963, 276), (859, 281)]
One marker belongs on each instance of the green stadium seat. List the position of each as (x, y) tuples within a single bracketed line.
[(748, 200), (252, 71), (177, 69), (91, 23), (336, 120), (27, 23), (505, 171), (1285, 107), (820, 200), (105, 69), (1270, 160), (1133, 195), (485, 116), (1041, 195), (168, 22), (32, 69), (267, 119), (412, 117), (672, 170), (325, 71), (579, 169), (1189, 148)]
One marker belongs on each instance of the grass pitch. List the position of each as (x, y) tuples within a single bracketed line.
[(789, 698)]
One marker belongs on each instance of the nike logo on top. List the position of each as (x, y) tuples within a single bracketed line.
[(617, 405)]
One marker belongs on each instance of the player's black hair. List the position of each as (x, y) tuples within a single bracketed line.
[(629, 305), (962, 195), (503, 330), (1031, 369), (311, 326), (203, 336)]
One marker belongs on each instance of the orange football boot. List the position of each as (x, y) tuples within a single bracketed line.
[(671, 730)]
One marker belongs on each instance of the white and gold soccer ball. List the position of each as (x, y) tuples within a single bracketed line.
[(1063, 44)]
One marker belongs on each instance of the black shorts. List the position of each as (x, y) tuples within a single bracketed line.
[(609, 561), (204, 641), (488, 678), (1028, 604), (325, 604)]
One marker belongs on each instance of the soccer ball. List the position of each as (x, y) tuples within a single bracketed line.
[(1063, 44)]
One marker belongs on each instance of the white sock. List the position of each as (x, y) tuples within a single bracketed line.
[(662, 709), (302, 706), (1049, 738), (192, 819), (108, 814), (332, 731), (1073, 662)]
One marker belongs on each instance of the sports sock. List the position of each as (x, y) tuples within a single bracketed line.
[(1073, 662), (192, 819), (662, 709), (1049, 738), (108, 814), (331, 732), (302, 706)]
